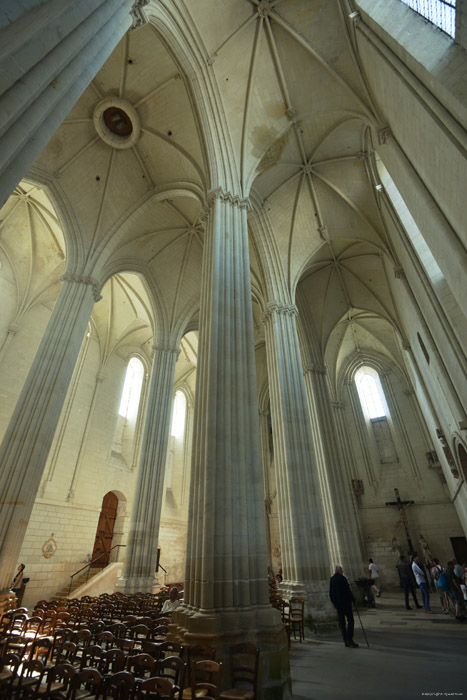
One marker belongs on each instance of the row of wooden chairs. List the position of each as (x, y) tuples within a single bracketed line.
[(32, 681), (139, 677)]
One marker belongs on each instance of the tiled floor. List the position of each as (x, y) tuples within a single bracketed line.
[(411, 655)]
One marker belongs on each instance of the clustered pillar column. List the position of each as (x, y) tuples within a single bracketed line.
[(27, 441), (226, 590), (343, 519), (139, 574), (305, 557)]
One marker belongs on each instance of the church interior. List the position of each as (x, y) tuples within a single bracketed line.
[(233, 301)]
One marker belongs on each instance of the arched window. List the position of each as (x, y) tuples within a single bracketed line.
[(371, 393), (131, 393), (441, 13), (178, 417), (123, 445), (376, 412)]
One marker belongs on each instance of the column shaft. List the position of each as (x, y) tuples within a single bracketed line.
[(305, 556), (27, 441), (141, 553), (226, 591), (343, 517), (52, 54)]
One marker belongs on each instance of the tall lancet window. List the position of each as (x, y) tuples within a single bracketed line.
[(376, 412), (131, 393), (178, 417), (177, 434), (122, 447)]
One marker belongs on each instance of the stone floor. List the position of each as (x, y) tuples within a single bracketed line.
[(411, 655)]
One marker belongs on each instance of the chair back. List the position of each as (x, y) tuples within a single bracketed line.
[(157, 689), (206, 676), (118, 686), (91, 656), (88, 680), (244, 667), (141, 665), (173, 668), (171, 649), (112, 661)]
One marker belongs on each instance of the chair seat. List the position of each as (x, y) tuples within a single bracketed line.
[(237, 694), (186, 695)]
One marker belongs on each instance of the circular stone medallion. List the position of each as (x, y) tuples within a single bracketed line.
[(117, 122)]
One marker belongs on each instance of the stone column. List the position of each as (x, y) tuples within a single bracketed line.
[(27, 441), (141, 551), (305, 557), (344, 522), (226, 590), (49, 53), (266, 459)]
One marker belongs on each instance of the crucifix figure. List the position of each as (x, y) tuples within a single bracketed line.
[(400, 506)]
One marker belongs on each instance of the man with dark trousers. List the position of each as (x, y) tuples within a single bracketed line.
[(406, 581), (342, 598)]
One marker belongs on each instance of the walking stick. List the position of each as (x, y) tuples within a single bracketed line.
[(361, 623)]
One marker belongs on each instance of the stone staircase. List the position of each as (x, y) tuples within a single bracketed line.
[(77, 583)]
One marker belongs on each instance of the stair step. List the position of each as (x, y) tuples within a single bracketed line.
[(65, 591)]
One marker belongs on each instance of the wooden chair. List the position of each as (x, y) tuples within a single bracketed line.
[(118, 686), (156, 689), (84, 684), (41, 649), (60, 637), (118, 629), (297, 617), (158, 633), (112, 661), (171, 649), (91, 657), (31, 675), (138, 633), (152, 648), (244, 670), (141, 665), (9, 666), (126, 645), (206, 678), (56, 682), (174, 669), (67, 653)]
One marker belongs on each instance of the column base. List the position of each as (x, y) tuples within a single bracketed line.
[(320, 615), (137, 584), (259, 625)]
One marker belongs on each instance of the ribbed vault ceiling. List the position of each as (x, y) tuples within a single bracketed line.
[(298, 118)]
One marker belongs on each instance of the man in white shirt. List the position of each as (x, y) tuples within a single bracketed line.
[(420, 578), (173, 602), (373, 573)]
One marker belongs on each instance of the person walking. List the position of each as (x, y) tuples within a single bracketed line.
[(422, 583), (454, 589), (406, 582), (342, 598), (373, 573), (435, 572)]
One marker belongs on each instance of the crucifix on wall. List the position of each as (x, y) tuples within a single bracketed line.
[(403, 517)]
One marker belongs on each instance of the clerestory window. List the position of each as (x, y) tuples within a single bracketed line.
[(178, 417), (131, 393), (370, 393), (441, 13)]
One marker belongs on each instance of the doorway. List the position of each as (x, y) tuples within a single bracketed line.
[(459, 545), (105, 531)]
